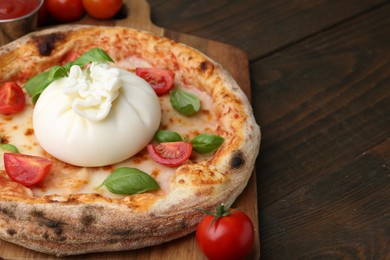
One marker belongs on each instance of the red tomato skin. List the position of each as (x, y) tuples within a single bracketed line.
[(12, 98), (102, 9), (43, 15), (68, 57), (171, 153), (161, 80), (65, 10), (26, 169), (229, 238)]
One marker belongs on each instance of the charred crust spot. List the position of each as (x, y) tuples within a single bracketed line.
[(7, 212), (206, 65), (55, 225), (183, 224), (87, 220), (88, 216), (203, 65), (37, 214), (52, 223), (45, 236), (58, 231), (11, 231), (113, 241), (237, 160), (46, 43), (122, 233)]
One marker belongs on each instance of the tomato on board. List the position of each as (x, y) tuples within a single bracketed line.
[(225, 234), (12, 98), (161, 80), (26, 169), (170, 153), (102, 9), (43, 14), (65, 10)]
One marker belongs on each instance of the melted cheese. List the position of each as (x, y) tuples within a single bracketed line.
[(65, 179)]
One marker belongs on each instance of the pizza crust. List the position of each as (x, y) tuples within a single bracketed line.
[(83, 223)]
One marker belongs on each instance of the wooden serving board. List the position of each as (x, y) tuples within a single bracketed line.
[(232, 59)]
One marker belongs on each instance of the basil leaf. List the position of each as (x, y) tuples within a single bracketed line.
[(206, 143), (37, 84), (9, 147), (41, 87), (128, 181), (57, 72), (184, 102), (95, 54), (163, 136), (31, 84)]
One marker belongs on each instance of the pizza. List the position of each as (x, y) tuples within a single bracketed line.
[(122, 135)]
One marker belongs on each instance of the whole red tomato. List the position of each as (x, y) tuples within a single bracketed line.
[(65, 10), (43, 14), (225, 234), (102, 9)]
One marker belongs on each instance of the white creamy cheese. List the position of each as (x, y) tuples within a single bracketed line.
[(96, 117), (92, 94)]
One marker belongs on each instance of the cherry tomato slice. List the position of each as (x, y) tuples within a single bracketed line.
[(12, 98), (161, 80), (26, 169), (102, 9), (228, 238), (170, 153)]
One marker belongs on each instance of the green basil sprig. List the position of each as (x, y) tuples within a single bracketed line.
[(37, 84), (203, 143), (8, 147), (58, 72), (184, 102), (163, 136), (95, 54), (129, 181), (206, 143)]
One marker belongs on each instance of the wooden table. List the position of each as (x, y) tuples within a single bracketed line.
[(320, 85), (320, 80)]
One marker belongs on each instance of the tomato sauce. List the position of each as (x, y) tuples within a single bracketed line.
[(10, 9)]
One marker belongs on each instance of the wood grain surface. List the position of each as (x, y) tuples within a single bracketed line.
[(320, 78), (136, 13)]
